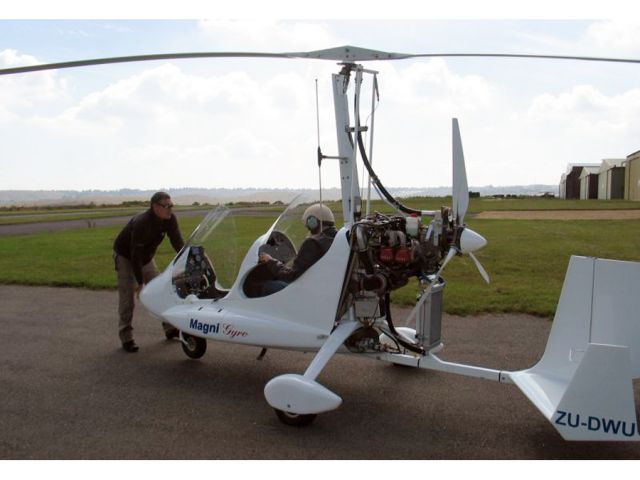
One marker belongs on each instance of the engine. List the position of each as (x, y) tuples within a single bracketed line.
[(388, 250), (392, 249)]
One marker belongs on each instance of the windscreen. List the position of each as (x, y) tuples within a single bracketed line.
[(215, 239)]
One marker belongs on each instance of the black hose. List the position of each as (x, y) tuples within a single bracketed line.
[(383, 191), (413, 347)]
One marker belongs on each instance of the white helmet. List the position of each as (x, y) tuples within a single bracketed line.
[(315, 214)]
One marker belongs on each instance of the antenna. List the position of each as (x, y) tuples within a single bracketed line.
[(319, 151), (317, 116)]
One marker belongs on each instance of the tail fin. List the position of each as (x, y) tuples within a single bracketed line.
[(583, 382)]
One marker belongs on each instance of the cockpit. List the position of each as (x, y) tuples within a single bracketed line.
[(280, 247), (197, 277), (207, 266)]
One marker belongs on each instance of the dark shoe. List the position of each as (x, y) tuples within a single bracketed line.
[(172, 333), (130, 346)]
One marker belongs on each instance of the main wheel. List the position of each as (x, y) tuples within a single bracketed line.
[(295, 419), (193, 347)]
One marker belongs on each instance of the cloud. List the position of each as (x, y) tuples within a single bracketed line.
[(164, 126), (580, 124), (435, 83), (253, 122), (587, 109), (272, 36), (413, 120), (615, 34), (25, 91), (156, 95)]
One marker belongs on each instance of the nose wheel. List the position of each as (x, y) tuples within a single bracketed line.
[(295, 419), (193, 347)]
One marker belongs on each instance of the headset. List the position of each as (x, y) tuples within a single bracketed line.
[(312, 222)]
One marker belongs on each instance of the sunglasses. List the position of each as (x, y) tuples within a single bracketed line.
[(165, 206)]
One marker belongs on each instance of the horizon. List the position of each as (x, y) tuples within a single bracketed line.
[(187, 196), (259, 188)]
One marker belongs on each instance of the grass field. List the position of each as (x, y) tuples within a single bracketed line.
[(12, 217), (476, 205), (526, 259), (484, 204)]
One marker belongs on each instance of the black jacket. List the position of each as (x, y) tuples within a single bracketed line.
[(312, 249), (139, 239)]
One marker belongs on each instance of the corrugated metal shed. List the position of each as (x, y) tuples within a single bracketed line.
[(589, 182), (562, 191), (632, 177), (611, 179), (572, 179)]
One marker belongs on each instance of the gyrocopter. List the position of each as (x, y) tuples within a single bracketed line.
[(583, 384)]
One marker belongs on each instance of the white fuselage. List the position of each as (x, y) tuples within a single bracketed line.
[(301, 316)]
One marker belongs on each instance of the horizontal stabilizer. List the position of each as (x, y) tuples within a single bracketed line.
[(583, 382)]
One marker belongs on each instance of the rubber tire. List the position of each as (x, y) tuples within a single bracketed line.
[(196, 346), (295, 419)]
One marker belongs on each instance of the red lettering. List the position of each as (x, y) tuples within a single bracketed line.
[(230, 331)]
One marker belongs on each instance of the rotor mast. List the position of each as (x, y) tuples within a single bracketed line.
[(347, 136)]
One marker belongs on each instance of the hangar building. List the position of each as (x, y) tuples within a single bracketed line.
[(611, 179), (570, 189), (632, 177), (589, 182)]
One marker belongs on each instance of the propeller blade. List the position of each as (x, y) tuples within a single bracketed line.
[(480, 268), (460, 192), (450, 255)]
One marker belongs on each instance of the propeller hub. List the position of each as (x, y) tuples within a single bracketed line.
[(471, 241)]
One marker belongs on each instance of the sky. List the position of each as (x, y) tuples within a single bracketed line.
[(229, 123)]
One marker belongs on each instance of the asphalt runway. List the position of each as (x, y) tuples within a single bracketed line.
[(69, 392)]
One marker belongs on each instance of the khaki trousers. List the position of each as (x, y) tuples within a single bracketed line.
[(126, 294)]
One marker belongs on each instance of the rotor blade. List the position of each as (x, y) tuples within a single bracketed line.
[(480, 268), (519, 55), (460, 193), (339, 54), (140, 58), (345, 53)]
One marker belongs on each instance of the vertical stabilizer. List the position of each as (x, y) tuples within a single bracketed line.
[(583, 382)]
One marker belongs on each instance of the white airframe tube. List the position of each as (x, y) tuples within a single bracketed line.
[(373, 113), (355, 189), (330, 347), (348, 176)]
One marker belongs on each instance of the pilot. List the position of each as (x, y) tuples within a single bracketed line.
[(320, 222), (133, 252)]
